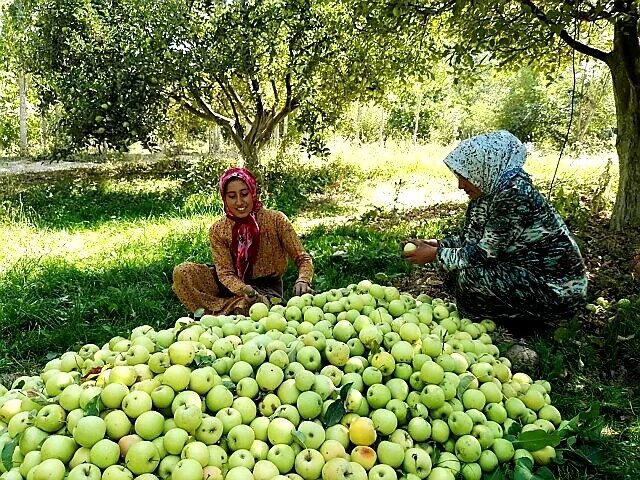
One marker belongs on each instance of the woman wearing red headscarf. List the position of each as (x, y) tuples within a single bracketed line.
[(251, 246)]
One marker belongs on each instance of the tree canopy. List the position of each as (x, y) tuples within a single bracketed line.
[(245, 65)]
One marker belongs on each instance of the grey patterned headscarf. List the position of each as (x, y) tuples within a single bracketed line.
[(488, 161)]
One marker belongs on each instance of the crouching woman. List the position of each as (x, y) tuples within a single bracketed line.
[(251, 246)]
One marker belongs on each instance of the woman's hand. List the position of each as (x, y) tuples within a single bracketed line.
[(425, 251), (301, 287), (251, 296)]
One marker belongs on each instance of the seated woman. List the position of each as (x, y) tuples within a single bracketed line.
[(251, 246), (515, 260)]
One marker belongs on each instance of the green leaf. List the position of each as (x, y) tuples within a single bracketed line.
[(94, 406), (344, 391), (7, 453), (543, 473), (198, 313), (203, 360), (299, 438), (292, 351), (591, 454), (334, 413), (230, 385), (465, 381), (536, 439), (497, 474)]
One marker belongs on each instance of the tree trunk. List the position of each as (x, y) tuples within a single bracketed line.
[(416, 120), (626, 87), (23, 114), (249, 154), (358, 122), (213, 134)]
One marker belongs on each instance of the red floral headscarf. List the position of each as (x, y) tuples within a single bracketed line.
[(245, 236)]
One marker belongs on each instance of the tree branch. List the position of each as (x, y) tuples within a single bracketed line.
[(239, 102), (563, 34), (238, 123), (254, 87)]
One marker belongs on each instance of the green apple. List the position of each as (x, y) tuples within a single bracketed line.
[(503, 449), (314, 434), (240, 437), (390, 453), (50, 469), (265, 470), (473, 399), (187, 469), (460, 423), (310, 358), (113, 393), (419, 429), (484, 434), (85, 471), (468, 448), (126, 442), (117, 424), (515, 408), (182, 352), (149, 425), (308, 464), (88, 430), (269, 377), (417, 461), (197, 451), (378, 395), (104, 453), (177, 377), (174, 440), (269, 404), (280, 431), (142, 457), (58, 446), (282, 456), (188, 417), (495, 412), (257, 311), (309, 405), (384, 421), (69, 399)]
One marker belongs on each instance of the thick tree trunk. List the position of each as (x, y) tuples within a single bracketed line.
[(23, 114), (626, 87), (249, 154)]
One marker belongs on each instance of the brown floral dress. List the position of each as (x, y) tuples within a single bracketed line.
[(218, 289)]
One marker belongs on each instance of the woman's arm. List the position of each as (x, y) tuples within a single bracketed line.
[(220, 249), (294, 249), (510, 213)]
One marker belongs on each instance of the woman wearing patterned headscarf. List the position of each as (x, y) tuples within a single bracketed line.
[(515, 260), (251, 246)]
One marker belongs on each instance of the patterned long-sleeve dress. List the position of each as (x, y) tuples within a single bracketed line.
[(218, 289), (515, 261)]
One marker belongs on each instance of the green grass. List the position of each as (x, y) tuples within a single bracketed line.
[(88, 255)]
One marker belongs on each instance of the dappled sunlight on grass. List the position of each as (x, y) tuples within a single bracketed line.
[(111, 242), (142, 185)]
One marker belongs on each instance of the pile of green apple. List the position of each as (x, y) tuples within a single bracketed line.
[(359, 383)]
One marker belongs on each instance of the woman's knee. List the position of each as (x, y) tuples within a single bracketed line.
[(182, 272)]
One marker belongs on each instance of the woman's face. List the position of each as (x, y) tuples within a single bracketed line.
[(238, 199), (470, 189)]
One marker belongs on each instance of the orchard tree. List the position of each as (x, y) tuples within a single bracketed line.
[(543, 32), (244, 65)]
